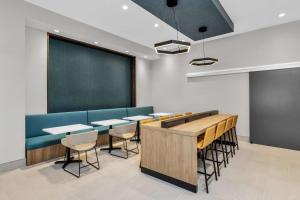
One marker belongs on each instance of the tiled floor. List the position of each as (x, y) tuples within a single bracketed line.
[(255, 173)]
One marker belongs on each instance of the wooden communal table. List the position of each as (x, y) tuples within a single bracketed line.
[(170, 154)]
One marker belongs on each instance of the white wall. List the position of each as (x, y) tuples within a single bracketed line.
[(36, 71), (36, 74), (173, 92), (12, 95), (143, 82)]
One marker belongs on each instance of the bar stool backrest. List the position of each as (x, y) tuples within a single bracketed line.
[(82, 138), (228, 124), (220, 129), (209, 136), (235, 118)]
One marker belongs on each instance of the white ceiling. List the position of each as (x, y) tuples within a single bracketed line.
[(137, 25)]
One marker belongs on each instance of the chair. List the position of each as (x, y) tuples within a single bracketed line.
[(219, 133), (203, 145), (233, 129), (125, 133), (82, 142), (227, 133)]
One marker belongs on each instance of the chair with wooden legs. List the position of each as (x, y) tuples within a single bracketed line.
[(82, 142), (219, 132), (204, 144), (233, 129), (125, 133)]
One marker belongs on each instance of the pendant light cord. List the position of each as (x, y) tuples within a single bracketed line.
[(203, 46), (176, 24)]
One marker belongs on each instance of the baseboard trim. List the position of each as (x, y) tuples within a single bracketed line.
[(9, 166), (244, 138), (179, 183)]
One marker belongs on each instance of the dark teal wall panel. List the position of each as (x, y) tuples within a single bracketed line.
[(85, 78)]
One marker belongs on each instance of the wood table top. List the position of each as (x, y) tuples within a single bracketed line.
[(194, 128)]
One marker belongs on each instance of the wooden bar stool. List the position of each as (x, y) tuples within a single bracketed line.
[(203, 145)]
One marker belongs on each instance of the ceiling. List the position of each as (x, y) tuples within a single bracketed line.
[(137, 25), (205, 13)]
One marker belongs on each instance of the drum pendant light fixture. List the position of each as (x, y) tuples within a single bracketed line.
[(172, 47), (205, 61)]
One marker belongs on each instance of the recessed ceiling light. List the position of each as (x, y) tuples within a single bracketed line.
[(281, 15), (156, 25), (125, 7), (96, 42), (56, 30), (127, 51), (182, 40)]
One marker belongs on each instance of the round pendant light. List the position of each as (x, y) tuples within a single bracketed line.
[(172, 46), (204, 61)]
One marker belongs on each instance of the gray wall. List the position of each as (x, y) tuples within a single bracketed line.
[(278, 44), (12, 95), (172, 91), (36, 74), (274, 110)]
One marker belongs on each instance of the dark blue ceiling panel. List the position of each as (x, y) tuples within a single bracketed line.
[(190, 15)]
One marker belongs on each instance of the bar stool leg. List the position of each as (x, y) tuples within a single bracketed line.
[(216, 151), (223, 151), (237, 142), (214, 162), (233, 141), (230, 145), (225, 148), (204, 166)]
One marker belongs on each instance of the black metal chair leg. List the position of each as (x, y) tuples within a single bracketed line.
[(214, 163), (236, 139), (204, 166), (225, 148), (232, 141), (216, 151), (223, 151)]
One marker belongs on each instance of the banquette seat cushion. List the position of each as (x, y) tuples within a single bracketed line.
[(37, 138)]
